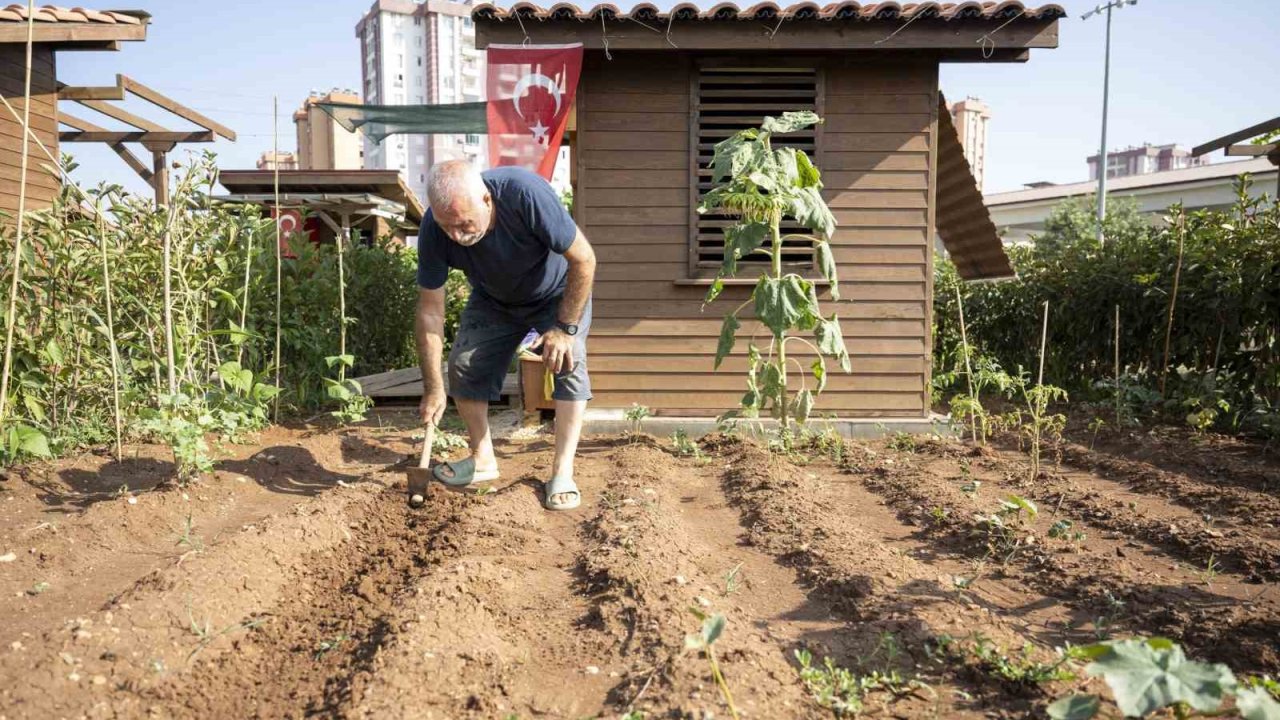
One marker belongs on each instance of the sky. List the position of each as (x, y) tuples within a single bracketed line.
[(1183, 71)]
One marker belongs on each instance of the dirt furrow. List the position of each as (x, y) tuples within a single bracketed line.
[(881, 590), (1111, 582)]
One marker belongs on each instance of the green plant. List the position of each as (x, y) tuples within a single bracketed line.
[(637, 414), (242, 403), (1095, 426), (1003, 530), (902, 442), (1032, 421), (180, 422), (684, 445), (22, 442), (759, 186), (346, 392), (704, 640), (39, 588), (1148, 675), (1064, 530)]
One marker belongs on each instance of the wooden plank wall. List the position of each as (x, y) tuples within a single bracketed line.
[(42, 186), (650, 342)]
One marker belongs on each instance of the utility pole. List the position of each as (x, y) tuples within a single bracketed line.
[(1103, 165)]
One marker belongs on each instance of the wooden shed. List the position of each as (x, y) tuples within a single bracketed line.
[(55, 29), (659, 89)]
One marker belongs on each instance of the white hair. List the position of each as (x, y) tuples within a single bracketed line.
[(454, 179)]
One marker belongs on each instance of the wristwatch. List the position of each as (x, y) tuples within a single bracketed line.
[(568, 328)]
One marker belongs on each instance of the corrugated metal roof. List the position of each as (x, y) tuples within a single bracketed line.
[(58, 14), (963, 222), (1006, 10)]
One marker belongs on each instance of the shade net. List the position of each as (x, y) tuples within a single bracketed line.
[(379, 121)]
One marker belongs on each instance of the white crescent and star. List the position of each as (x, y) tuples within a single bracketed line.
[(536, 80)]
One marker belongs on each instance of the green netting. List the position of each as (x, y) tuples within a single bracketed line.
[(379, 121)]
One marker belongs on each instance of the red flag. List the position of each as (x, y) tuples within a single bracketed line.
[(530, 91)]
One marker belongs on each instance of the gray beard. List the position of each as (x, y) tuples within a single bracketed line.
[(469, 240)]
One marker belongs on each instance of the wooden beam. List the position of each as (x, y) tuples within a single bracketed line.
[(132, 161), (71, 32), (182, 111), (107, 92), (121, 114), (105, 45), (1251, 150), (1235, 137), (849, 34), (160, 177), (77, 123), (113, 137)]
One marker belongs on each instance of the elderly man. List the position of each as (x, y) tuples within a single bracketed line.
[(530, 268)]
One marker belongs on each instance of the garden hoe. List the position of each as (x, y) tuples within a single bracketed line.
[(420, 476)]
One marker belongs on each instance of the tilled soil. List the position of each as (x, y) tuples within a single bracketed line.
[(296, 582)]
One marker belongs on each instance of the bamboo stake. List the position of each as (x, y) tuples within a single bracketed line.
[(1173, 299), (1044, 340), (342, 300), (11, 318), (244, 300), (968, 368), (170, 361), (111, 332), (275, 148), (1117, 349)]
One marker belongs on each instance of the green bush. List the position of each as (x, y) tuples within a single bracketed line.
[(1225, 342)]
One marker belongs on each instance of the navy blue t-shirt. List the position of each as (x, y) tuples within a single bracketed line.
[(520, 261)]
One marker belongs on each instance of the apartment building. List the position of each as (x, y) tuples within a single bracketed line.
[(323, 144)]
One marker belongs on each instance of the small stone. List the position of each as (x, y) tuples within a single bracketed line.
[(133, 501), (82, 634), (593, 670), (680, 580), (99, 680), (650, 491), (703, 601), (74, 677), (8, 557), (16, 645)]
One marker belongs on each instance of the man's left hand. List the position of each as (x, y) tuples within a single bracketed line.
[(557, 350)]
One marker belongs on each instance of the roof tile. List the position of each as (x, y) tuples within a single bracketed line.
[(873, 11), (58, 14)]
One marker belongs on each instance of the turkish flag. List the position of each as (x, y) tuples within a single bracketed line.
[(530, 90)]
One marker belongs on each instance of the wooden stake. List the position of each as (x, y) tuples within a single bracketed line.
[(1044, 340), (275, 146), (11, 318), (1117, 349), (968, 368), (1173, 298), (111, 332), (342, 298)]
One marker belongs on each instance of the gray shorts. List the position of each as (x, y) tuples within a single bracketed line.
[(489, 335)]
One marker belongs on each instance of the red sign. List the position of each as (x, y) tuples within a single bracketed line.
[(530, 90)]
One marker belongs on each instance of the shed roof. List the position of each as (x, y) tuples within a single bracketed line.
[(963, 221), (73, 27), (1006, 10), (384, 183)]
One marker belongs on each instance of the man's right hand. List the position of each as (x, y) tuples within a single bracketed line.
[(431, 409)]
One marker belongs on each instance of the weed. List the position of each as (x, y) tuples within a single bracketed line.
[(325, 646), (633, 715), (842, 691), (733, 580), (38, 588), (180, 422), (485, 490), (1103, 623), (1064, 530), (1211, 570), (704, 640), (1095, 425), (971, 488), (1021, 670), (903, 442), (188, 537)]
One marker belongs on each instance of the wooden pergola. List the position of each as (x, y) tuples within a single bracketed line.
[(1235, 146), (155, 138)]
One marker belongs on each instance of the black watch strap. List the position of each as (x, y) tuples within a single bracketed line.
[(568, 328)]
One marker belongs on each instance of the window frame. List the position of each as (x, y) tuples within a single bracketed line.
[(696, 271)]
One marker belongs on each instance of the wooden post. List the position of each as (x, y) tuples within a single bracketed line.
[(1173, 298), (160, 175), (1117, 349)]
